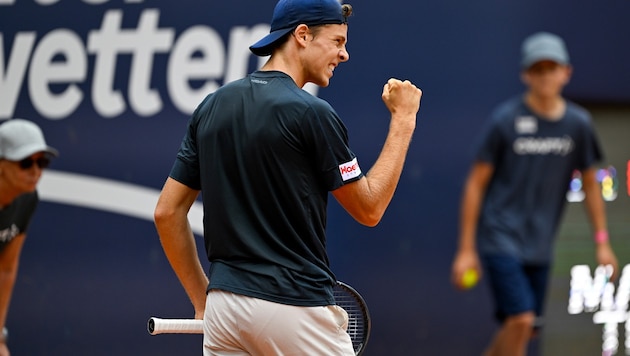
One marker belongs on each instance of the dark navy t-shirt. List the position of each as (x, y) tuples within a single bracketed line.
[(265, 155), (534, 160)]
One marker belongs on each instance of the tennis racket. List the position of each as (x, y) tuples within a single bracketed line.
[(359, 322)]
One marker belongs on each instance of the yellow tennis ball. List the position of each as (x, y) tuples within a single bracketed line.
[(470, 279)]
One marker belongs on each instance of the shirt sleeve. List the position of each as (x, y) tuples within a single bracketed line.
[(334, 159), (186, 168), (591, 148)]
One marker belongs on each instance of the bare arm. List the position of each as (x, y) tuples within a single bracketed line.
[(596, 211), (367, 199), (475, 187), (9, 261), (178, 241)]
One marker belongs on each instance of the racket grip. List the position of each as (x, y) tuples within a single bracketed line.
[(157, 326)]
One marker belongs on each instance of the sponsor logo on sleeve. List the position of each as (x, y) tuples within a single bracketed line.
[(349, 170)]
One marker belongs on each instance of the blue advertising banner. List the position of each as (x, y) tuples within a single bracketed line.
[(112, 84)]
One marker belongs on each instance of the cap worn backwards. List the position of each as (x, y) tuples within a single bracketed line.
[(543, 46), (288, 14), (21, 138)]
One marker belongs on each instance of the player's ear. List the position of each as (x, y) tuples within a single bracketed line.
[(569, 73), (524, 77), (301, 33)]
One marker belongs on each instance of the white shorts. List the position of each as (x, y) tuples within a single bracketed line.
[(239, 325)]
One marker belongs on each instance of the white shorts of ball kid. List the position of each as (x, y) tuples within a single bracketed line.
[(237, 325)]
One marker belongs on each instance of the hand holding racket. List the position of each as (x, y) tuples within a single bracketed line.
[(348, 298)]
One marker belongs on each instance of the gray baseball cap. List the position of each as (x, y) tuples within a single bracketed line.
[(21, 138), (543, 46)]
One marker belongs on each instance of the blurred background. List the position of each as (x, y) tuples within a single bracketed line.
[(113, 83)]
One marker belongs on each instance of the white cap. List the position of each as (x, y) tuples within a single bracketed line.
[(21, 138)]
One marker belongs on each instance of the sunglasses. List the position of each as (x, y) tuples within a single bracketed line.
[(41, 162)]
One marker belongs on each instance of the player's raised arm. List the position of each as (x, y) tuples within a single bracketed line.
[(367, 199)]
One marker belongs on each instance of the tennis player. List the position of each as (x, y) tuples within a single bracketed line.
[(265, 154)]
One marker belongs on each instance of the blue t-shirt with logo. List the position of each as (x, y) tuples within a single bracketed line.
[(534, 160)]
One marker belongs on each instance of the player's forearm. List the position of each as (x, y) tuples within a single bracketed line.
[(382, 179), (177, 239), (467, 235), (368, 198), (596, 212), (7, 281), (593, 202), (469, 215), (180, 249), (9, 261)]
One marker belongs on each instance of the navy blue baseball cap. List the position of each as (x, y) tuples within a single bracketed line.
[(288, 14)]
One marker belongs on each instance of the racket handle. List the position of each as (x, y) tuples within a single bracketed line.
[(157, 326)]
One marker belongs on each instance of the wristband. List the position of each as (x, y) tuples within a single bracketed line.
[(601, 236)]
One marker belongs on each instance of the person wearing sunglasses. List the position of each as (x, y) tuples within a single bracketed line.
[(23, 156)]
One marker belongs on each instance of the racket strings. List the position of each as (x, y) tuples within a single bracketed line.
[(357, 316)]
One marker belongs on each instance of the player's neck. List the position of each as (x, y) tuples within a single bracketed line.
[(548, 107), (6, 196), (286, 63), (8, 193)]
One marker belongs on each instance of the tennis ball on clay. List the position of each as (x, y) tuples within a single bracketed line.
[(470, 279)]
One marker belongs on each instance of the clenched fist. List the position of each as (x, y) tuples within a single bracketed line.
[(401, 98)]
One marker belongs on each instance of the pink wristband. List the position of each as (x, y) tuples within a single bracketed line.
[(601, 236)]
